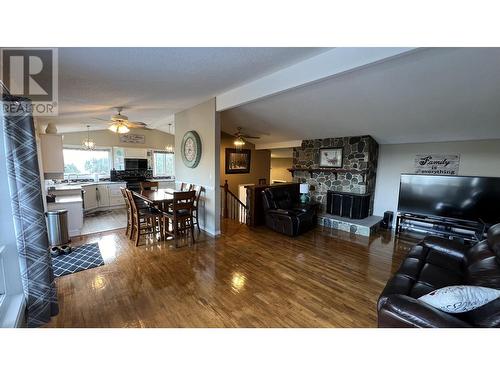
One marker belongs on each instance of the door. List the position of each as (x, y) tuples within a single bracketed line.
[(90, 197), (103, 195)]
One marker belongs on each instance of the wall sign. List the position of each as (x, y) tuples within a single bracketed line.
[(437, 164), (132, 138)]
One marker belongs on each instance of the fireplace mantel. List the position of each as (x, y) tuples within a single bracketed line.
[(335, 171)]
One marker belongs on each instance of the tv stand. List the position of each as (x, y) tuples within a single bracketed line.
[(442, 227)]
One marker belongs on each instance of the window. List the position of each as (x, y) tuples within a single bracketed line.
[(163, 163), (79, 163)]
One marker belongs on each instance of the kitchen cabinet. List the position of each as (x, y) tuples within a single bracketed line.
[(51, 146), (115, 194), (102, 195), (90, 197)]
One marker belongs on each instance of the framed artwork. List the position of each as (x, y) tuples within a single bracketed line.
[(237, 161), (331, 157)]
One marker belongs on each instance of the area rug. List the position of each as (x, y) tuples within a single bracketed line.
[(81, 258)]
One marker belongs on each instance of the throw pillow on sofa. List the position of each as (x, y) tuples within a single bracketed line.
[(460, 298)]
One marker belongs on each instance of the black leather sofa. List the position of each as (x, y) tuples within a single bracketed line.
[(284, 213), (435, 263)]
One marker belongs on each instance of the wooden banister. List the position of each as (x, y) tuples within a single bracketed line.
[(232, 206)]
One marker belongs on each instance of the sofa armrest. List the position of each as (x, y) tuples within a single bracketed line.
[(445, 246), (399, 311)]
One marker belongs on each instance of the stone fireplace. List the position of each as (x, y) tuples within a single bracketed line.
[(357, 175)]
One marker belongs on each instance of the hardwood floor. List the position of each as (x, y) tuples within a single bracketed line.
[(245, 278)]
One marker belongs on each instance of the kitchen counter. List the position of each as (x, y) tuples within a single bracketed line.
[(68, 199)]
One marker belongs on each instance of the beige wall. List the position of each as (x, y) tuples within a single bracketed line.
[(279, 169), (204, 120), (260, 165), (154, 139), (477, 158)]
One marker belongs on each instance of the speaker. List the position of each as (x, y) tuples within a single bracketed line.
[(387, 220)]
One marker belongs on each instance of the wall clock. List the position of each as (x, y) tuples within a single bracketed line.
[(191, 149)]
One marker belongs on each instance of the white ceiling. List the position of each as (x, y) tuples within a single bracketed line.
[(431, 95), (154, 83)]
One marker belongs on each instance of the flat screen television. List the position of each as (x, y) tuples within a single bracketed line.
[(461, 198)]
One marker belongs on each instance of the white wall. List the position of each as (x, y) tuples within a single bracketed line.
[(204, 120), (477, 158)]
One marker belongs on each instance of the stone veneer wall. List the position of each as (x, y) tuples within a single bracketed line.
[(360, 154)]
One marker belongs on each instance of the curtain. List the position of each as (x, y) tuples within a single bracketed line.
[(27, 207)]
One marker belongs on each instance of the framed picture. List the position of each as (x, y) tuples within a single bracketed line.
[(237, 161), (331, 157)]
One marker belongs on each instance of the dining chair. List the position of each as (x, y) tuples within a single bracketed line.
[(128, 231), (183, 186), (144, 220), (180, 215), (149, 185), (198, 189)]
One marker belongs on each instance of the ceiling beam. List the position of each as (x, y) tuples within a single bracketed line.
[(271, 145), (326, 65)]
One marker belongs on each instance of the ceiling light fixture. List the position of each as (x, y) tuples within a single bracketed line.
[(239, 142), (119, 128), (169, 148), (88, 144)]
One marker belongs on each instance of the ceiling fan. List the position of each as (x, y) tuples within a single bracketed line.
[(241, 137), (120, 123)]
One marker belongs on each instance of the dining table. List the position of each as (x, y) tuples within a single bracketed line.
[(158, 198)]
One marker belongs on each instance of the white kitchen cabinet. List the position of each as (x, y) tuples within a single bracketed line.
[(52, 153), (90, 197), (102, 196), (115, 194)]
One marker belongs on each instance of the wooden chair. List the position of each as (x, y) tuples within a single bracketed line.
[(262, 181), (180, 215), (198, 190), (128, 231), (144, 220), (149, 185), (186, 187)]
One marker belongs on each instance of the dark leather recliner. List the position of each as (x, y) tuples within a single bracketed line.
[(283, 213), (435, 263)]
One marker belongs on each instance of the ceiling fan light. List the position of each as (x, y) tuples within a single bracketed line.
[(122, 129), (239, 142), (113, 128)]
